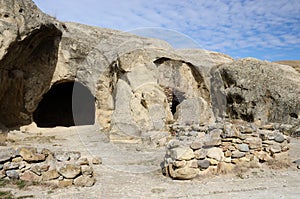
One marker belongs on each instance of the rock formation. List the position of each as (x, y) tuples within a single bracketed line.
[(261, 91), (125, 83), (214, 109), (28, 56)]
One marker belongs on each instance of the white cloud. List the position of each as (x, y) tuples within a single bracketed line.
[(221, 25)]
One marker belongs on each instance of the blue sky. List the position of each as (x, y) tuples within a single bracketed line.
[(264, 29)]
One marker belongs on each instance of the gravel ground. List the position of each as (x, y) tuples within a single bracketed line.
[(133, 171)]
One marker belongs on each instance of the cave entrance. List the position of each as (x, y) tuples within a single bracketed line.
[(66, 104), (174, 97), (177, 98), (175, 103)]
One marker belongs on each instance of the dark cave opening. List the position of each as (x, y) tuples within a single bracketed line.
[(294, 115), (178, 97), (66, 104), (175, 103)]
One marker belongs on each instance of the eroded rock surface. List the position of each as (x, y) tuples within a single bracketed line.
[(261, 91), (28, 56), (136, 84)]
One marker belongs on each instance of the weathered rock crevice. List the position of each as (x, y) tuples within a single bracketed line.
[(196, 74)]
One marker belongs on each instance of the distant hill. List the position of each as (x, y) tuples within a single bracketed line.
[(294, 63)]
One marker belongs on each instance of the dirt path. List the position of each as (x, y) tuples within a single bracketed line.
[(130, 171)]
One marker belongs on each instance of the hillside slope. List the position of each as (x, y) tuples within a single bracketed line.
[(294, 63)]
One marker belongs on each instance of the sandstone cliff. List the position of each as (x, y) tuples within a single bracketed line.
[(134, 84)]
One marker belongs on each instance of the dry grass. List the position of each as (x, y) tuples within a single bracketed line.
[(3, 138), (293, 63), (6, 195), (278, 164)]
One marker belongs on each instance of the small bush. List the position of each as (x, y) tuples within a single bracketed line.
[(21, 184)]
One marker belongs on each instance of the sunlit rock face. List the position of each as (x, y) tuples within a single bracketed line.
[(135, 84)]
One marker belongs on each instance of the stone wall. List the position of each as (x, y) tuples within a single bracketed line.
[(221, 147), (58, 168)]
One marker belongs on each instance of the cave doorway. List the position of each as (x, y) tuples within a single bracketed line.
[(66, 104), (174, 97), (175, 103), (177, 98)]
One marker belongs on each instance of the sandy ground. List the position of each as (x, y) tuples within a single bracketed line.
[(133, 171)]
